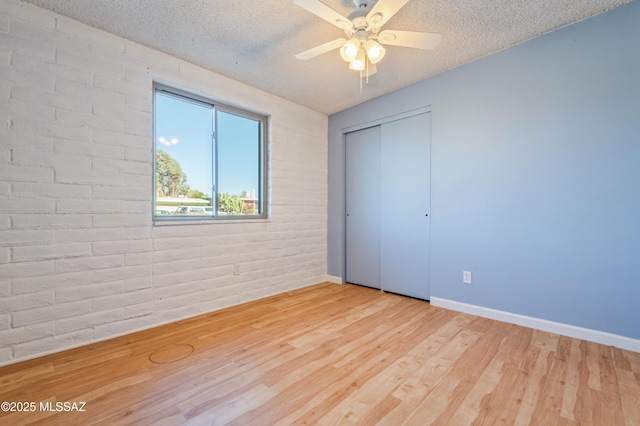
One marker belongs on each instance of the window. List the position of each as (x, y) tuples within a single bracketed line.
[(209, 159)]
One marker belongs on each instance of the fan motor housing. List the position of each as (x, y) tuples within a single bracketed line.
[(359, 23)]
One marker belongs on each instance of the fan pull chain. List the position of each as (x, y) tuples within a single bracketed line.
[(367, 70)]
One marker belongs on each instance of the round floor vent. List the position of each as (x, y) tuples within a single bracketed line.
[(171, 353)]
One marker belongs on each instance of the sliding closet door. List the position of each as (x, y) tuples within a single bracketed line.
[(404, 206), (363, 207)]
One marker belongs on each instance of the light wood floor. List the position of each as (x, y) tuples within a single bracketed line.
[(333, 354)]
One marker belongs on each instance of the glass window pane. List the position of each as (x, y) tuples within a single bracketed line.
[(184, 157), (238, 161)]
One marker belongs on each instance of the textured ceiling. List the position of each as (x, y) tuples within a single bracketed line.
[(255, 41)]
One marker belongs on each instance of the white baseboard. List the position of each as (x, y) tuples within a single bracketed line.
[(596, 336), (334, 279)]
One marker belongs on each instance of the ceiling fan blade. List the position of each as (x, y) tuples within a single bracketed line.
[(383, 11), (409, 39), (319, 50), (325, 12)]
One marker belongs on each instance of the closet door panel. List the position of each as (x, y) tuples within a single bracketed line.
[(362, 176), (404, 206)]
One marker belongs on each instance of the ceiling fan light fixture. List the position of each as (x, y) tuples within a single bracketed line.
[(359, 62), (375, 52), (349, 50)]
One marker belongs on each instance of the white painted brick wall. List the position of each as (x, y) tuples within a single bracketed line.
[(92, 291), (48, 313), (80, 259)]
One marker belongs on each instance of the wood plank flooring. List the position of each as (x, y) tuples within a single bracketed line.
[(332, 354)]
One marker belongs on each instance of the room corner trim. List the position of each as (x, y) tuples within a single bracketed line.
[(595, 336), (334, 279)]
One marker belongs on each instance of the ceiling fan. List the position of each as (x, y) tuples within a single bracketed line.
[(362, 46)]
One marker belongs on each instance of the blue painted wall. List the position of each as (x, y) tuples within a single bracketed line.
[(535, 175)]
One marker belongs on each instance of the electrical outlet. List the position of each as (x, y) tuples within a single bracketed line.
[(466, 277), (236, 269)]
